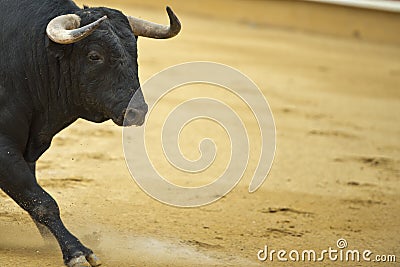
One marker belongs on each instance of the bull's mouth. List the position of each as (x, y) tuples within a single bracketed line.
[(118, 121)]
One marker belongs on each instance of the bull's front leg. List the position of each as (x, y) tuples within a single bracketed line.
[(18, 181), (43, 230)]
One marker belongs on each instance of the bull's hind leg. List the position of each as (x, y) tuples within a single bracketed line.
[(18, 182)]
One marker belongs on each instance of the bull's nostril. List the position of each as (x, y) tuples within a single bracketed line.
[(135, 116), (131, 113)]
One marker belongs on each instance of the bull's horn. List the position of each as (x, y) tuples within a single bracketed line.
[(152, 30), (65, 29)]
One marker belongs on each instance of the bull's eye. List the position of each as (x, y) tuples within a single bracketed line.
[(94, 56)]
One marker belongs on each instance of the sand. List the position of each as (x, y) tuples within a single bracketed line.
[(336, 104)]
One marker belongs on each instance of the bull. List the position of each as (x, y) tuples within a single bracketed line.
[(59, 63)]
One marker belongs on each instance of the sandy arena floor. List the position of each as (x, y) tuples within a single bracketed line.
[(336, 104)]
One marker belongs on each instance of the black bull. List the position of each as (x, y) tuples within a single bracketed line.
[(55, 69)]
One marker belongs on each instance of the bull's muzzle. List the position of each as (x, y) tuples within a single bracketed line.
[(135, 116)]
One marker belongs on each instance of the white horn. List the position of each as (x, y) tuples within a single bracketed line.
[(65, 29)]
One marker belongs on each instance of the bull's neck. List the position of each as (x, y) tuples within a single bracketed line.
[(52, 97)]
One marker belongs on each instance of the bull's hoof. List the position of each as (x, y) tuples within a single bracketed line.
[(93, 260), (79, 262), (82, 261)]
